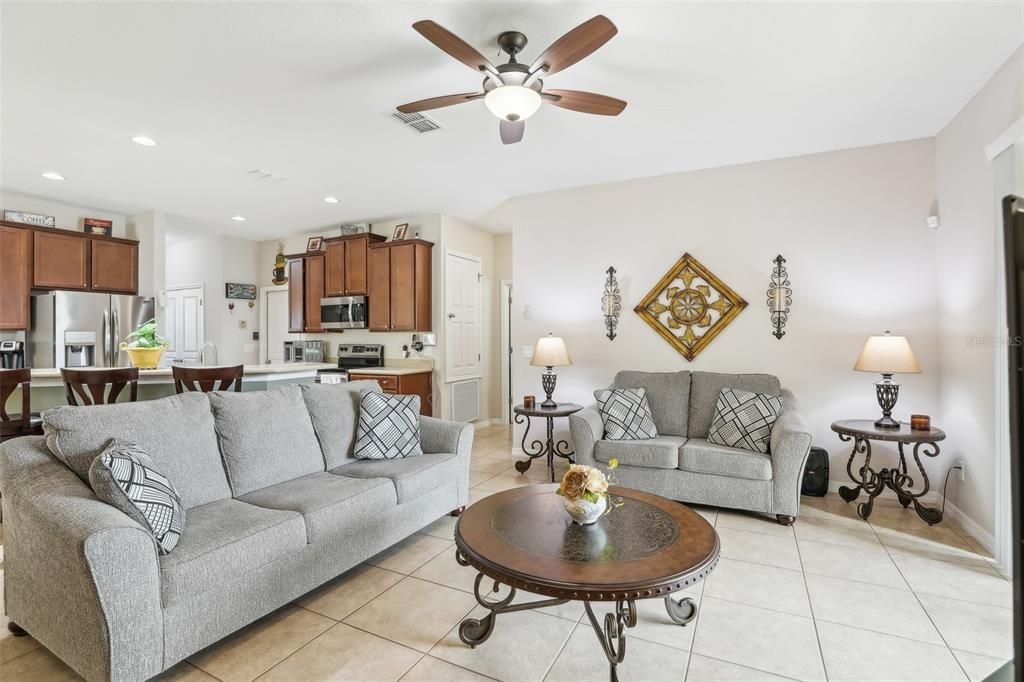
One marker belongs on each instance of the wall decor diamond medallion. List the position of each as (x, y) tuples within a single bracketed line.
[(689, 306)]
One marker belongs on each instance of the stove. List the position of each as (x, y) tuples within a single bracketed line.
[(352, 357)]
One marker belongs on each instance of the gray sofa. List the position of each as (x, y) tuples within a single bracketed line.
[(275, 507), (682, 465)]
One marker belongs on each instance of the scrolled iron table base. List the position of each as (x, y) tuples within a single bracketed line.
[(611, 631), (549, 447), (898, 478)]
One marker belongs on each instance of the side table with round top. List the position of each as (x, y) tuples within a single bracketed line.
[(646, 548), (548, 447), (898, 478)]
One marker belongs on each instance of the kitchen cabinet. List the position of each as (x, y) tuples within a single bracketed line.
[(402, 384), (60, 259), (346, 264), (399, 285), (114, 266), (15, 277), (305, 289)]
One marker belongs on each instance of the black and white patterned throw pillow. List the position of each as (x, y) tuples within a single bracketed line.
[(744, 419), (389, 426), (626, 414), (125, 477)]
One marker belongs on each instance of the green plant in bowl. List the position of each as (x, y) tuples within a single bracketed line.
[(145, 336)]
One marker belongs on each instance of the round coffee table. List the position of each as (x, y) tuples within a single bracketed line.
[(647, 548)]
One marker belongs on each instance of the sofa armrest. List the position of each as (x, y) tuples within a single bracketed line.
[(441, 435), (790, 445), (586, 428), (80, 576)]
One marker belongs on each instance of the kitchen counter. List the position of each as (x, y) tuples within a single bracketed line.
[(295, 370), (391, 371)]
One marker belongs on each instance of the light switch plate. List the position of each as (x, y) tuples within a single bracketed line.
[(528, 352)]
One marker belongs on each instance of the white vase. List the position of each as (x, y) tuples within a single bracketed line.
[(584, 512)]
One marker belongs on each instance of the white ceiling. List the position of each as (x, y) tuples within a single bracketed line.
[(302, 89)]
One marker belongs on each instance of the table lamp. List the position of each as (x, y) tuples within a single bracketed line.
[(887, 355), (550, 352)]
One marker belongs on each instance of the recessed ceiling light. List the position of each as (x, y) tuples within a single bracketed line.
[(50, 175), (239, 218), (144, 141), (331, 200)]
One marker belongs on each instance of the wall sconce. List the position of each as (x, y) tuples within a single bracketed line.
[(780, 296), (611, 303)]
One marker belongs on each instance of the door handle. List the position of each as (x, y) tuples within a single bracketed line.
[(115, 338), (105, 334), (451, 316)]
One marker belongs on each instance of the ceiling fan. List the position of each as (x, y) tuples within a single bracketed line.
[(513, 92)]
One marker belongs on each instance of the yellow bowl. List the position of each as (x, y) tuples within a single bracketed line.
[(143, 358)]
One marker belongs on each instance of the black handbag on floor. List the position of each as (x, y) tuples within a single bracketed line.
[(815, 481)]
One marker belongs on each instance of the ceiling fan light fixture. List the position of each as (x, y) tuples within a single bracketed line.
[(513, 102)]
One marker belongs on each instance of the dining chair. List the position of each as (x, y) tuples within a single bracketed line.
[(22, 423), (206, 379), (99, 386)]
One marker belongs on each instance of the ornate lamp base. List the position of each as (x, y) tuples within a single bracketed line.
[(547, 382), (887, 392)]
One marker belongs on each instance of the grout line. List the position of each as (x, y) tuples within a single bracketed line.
[(810, 606), (558, 653), (739, 665)]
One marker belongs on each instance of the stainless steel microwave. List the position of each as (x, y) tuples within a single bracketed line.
[(343, 312)]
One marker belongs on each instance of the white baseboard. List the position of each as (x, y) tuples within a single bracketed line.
[(984, 538)]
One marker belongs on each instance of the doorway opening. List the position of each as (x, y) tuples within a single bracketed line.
[(185, 326), (505, 344)]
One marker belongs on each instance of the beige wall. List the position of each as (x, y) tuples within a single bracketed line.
[(502, 272), (850, 223), (967, 285)]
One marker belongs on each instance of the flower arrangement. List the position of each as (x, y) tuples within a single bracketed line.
[(585, 492)]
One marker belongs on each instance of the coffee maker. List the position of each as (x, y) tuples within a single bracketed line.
[(12, 354)]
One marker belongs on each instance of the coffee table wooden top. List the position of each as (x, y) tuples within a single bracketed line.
[(649, 547)]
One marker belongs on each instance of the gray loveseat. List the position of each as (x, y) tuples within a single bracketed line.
[(275, 507), (682, 465)]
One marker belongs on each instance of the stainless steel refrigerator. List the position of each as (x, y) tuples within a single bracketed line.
[(83, 329)]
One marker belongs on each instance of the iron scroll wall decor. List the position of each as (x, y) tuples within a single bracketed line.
[(611, 303), (780, 296)]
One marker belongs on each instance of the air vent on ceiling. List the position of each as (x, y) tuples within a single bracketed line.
[(263, 174), (417, 123)]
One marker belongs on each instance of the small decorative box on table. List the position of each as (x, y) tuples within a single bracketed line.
[(862, 432)]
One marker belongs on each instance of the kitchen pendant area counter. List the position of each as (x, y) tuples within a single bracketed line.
[(264, 373)]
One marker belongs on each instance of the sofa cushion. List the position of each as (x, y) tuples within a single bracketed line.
[(389, 426), (702, 457), (126, 478), (225, 540), (744, 419), (704, 390), (327, 502), (412, 476), (655, 453), (266, 437), (334, 410), (668, 394), (625, 413), (177, 432)]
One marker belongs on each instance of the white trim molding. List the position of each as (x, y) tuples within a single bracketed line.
[(1010, 137)]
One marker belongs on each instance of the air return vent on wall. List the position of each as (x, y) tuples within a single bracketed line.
[(417, 123), (466, 400)]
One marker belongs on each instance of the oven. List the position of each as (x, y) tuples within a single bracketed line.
[(343, 312), (352, 357)]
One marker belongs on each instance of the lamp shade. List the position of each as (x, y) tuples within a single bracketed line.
[(550, 351), (887, 354)]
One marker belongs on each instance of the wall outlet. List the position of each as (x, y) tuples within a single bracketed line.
[(962, 471), (242, 324)]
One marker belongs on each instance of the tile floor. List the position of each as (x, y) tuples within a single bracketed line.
[(832, 598)]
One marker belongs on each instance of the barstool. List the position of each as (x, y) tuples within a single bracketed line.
[(103, 385), (24, 423), (205, 378)]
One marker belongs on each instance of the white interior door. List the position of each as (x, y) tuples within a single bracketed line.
[(276, 330), (184, 315), (505, 344), (462, 316)]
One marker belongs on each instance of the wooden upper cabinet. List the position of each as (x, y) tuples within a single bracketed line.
[(378, 289), (115, 266), (296, 299), (399, 295), (314, 291), (356, 255), (60, 261), (15, 277), (334, 269)]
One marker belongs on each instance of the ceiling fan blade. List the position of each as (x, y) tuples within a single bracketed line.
[(585, 102), (578, 43), (453, 45), (511, 131), (438, 102)]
